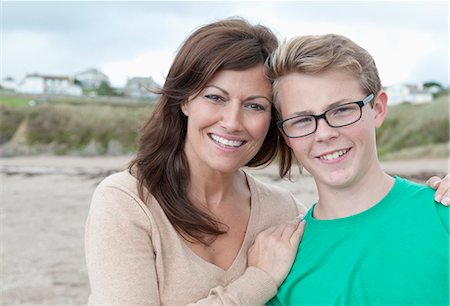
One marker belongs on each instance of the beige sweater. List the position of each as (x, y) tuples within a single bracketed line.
[(135, 257)]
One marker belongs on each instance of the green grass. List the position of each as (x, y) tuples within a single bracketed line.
[(14, 100), (441, 150), (408, 126), (10, 118)]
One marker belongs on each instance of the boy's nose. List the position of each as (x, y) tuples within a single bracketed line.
[(324, 131)]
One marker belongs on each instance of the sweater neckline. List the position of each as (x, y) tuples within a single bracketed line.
[(240, 253)]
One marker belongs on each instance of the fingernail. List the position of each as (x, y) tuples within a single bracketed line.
[(301, 217), (436, 183), (437, 197), (446, 201)]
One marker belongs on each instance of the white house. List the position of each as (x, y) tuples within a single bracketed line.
[(8, 83), (48, 85), (91, 78), (139, 87), (414, 94)]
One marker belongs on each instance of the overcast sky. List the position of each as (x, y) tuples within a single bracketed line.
[(409, 40)]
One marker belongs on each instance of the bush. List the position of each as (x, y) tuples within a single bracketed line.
[(10, 119), (73, 128)]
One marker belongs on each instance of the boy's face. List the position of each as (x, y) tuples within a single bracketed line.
[(336, 157)]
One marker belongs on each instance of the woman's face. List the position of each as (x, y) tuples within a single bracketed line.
[(228, 120)]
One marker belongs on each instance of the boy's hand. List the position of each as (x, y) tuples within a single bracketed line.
[(442, 187)]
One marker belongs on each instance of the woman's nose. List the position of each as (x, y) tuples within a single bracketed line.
[(231, 117)]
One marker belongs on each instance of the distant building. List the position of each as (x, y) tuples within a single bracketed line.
[(8, 83), (139, 87), (48, 85), (414, 94), (91, 78)]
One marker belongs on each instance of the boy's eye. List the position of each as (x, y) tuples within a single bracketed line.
[(342, 109), (301, 121)]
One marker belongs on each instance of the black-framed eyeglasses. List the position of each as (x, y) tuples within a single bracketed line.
[(339, 116)]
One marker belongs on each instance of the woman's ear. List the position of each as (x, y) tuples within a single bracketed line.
[(380, 108), (185, 108)]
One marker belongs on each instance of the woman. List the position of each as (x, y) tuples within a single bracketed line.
[(180, 227), (176, 228)]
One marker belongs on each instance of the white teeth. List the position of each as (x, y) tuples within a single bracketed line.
[(226, 142), (333, 155)]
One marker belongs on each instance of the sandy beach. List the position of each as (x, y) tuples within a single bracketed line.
[(44, 204)]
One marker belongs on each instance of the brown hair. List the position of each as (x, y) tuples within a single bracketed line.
[(161, 164), (313, 54)]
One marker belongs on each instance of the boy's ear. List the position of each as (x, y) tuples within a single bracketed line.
[(287, 140), (380, 108)]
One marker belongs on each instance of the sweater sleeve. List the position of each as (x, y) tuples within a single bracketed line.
[(119, 254), (254, 287)]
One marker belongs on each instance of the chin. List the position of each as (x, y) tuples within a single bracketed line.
[(336, 179), (224, 167)]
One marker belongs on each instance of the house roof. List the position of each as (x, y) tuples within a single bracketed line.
[(92, 71), (48, 77), (145, 81)]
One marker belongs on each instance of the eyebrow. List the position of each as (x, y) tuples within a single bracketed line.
[(247, 99), (221, 89), (332, 105)]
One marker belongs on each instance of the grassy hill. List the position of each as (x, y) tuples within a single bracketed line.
[(70, 128), (411, 131)]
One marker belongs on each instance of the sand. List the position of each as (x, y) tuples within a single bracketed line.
[(44, 204)]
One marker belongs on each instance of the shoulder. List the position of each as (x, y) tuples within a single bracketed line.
[(117, 197), (413, 190), (275, 197), (422, 197), (120, 180), (265, 190), (120, 184), (406, 183)]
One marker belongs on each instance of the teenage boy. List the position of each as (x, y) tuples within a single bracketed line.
[(371, 239)]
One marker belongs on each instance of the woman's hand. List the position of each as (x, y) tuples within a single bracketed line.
[(442, 187), (275, 248)]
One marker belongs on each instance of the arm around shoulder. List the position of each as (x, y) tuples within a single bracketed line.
[(254, 287)]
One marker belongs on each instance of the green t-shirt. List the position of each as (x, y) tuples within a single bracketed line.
[(395, 253)]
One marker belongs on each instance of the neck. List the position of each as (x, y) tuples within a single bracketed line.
[(357, 196), (212, 189)]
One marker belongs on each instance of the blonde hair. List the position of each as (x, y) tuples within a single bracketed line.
[(313, 54)]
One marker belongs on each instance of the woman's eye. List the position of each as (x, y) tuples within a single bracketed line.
[(256, 107), (215, 98)]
